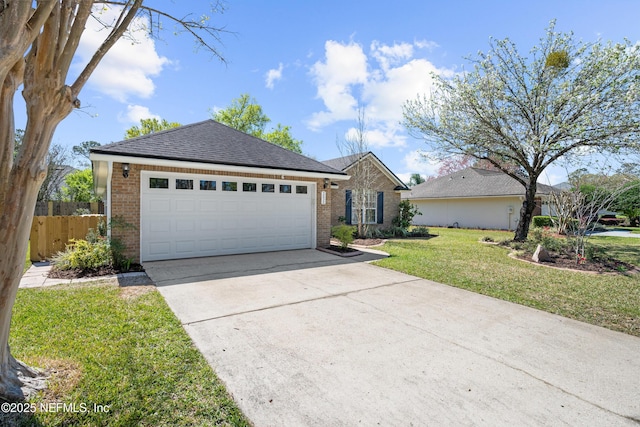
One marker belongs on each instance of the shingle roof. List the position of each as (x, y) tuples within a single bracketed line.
[(471, 182), (213, 142), (343, 163)]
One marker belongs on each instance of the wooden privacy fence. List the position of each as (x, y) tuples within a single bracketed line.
[(51, 234)]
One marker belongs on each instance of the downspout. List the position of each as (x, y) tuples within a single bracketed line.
[(108, 207)]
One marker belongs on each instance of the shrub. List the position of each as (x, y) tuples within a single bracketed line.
[(542, 221), (344, 233), (407, 212), (420, 231), (84, 255)]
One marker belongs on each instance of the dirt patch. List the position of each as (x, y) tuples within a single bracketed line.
[(132, 292), (368, 242), (590, 266), (90, 272)]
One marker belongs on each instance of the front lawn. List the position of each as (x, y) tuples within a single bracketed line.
[(121, 349), (456, 257)]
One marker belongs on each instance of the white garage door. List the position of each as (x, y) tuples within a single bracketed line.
[(185, 216)]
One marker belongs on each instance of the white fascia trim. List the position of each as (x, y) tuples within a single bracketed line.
[(214, 167), (509, 196)]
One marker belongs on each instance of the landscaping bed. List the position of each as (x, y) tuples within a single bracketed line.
[(106, 270), (568, 262)]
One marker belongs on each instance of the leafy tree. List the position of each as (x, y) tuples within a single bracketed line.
[(148, 126), (415, 179), (79, 187), (562, 101), (246, 115), (281, 136), (84, 150), (628, 202), (38, 43)]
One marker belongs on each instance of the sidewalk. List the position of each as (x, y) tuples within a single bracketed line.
[(36, 277)]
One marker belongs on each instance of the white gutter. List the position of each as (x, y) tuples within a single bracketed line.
[(212, 166)]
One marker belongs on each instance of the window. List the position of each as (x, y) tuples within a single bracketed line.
[(207, 185), (158, 182), (301, 189), (184, 184), (364, 203), (285, 188), (229, 186), (249, 186), (268, 188)]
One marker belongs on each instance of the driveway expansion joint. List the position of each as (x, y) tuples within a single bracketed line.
[(288, 304)]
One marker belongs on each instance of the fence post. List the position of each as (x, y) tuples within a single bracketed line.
[(49, 208)]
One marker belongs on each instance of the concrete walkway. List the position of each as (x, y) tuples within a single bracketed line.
[(304, 338)]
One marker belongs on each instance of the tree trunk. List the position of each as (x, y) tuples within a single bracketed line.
[(526, 211), (15, 224)]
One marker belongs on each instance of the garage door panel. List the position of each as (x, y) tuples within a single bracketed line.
[(189, 223)]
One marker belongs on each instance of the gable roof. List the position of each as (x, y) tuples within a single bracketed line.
[(472, 182), (344, 163), (212, 142)]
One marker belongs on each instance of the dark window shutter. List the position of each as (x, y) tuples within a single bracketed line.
[(347, 206), (380, 207)]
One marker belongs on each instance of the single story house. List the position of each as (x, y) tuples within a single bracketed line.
[(383, 194), (206, 189), (474, 198)]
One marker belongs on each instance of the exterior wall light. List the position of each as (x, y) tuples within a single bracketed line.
[(125, 170), (326, 182)]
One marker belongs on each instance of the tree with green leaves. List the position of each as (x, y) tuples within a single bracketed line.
[(38, 47), (148, 126), (415, 179), (566, 99), (78, 187), (246, 115)]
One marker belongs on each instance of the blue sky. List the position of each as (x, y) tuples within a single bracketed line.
[(309, 64)]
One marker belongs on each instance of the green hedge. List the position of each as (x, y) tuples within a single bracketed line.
[(542, 221)]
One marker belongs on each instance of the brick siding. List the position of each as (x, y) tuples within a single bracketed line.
[(125, 202)]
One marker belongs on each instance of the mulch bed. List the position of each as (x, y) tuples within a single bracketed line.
[(92, 272), (368, 242), (594, 266)]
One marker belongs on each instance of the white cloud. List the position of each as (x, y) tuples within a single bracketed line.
[(346, 79), (418, 162), (135, 113), (127, 68), (274, 75), (345, 65)]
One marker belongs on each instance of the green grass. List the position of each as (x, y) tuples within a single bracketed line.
[(457, 258), (129, 353)]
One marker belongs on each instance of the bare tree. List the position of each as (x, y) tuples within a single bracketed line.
[(355, 147), (57, 169), (577, 210), (38, 42)]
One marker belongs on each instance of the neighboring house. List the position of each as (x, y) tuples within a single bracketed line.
[(206, 189), (381, 200), (474, 198)]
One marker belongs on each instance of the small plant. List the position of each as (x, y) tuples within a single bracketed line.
[(82, 211), (407, 212), (487, 239), (420, 231), (344, 233), (84, 255)]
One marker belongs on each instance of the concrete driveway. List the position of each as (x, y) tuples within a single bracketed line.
[(304, 338)]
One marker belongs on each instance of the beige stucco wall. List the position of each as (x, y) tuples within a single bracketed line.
[(491, 213), (380, 182), (125, 202)]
